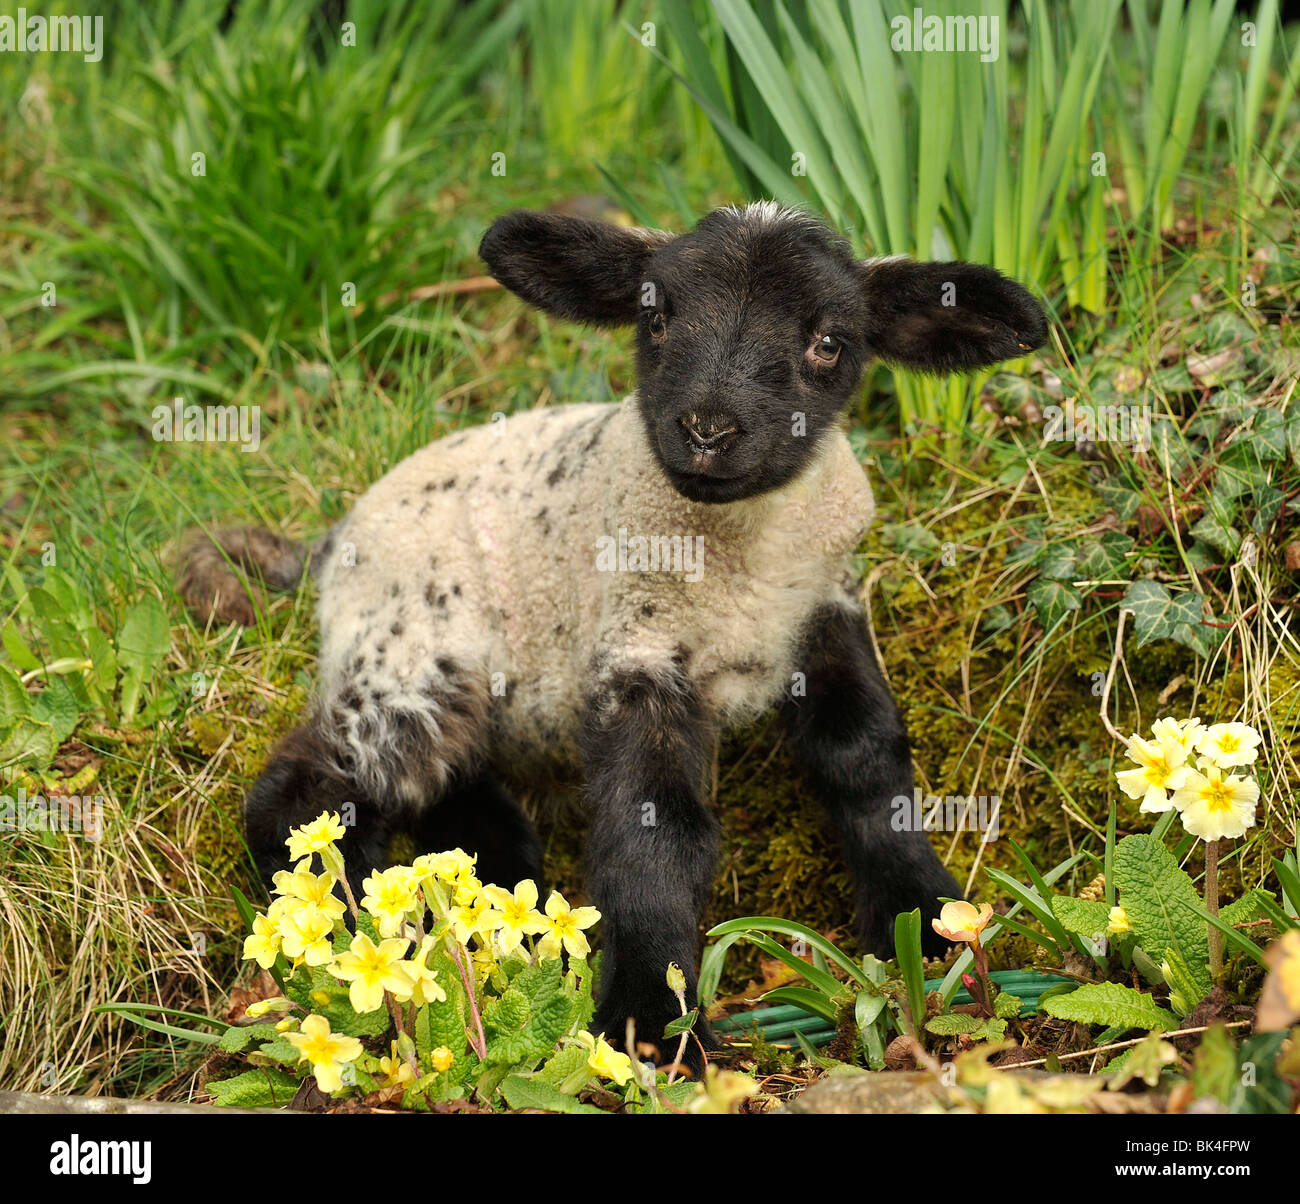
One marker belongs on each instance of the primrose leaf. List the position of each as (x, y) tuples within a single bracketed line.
[(1161, 903), (1112, 1005)]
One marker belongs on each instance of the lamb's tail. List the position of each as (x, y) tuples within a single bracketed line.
[(228, 573)]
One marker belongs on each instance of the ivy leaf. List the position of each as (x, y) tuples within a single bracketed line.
[(1057, 561), (1218, 535), (1162, 905), (1112, 1005), (1160, 615), (1103, 557), (1053, 600), (1120, 498), (1269, 434)]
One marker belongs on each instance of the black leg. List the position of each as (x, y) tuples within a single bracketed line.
[(299, 784), (652, 848), (850, 739), (480, 817)]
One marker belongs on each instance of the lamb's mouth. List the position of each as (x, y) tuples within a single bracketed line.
[(710, 486)]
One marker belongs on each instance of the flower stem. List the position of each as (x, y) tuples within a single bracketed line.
[(981, 959), (1212, 905), (480, 1047)]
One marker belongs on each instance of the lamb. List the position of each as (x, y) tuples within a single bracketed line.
[(513, 603)]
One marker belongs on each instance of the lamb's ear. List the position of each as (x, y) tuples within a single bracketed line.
[(583, 270), (947, 317)]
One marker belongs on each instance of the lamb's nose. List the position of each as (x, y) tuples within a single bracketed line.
[(709, 437)]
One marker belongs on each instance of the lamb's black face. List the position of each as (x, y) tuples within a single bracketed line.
[(749, 342), (753, 329)]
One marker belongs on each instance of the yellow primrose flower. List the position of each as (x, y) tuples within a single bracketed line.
[(514, 916), (1185, 732), (442, 1059), (1229, 744), (466, 891), (962, 921), (264, 943), (1214, 806), (475, 918), (276, 1004), (422, 984), (605, 1060), (305, 934), (306, 887), (285, 1025), (371, 970), (485, 963), (563, 928), (1119, 922), (1161, 767), (390, 895), (327, 1051), (449, 867), (311, 838), (396, 1069), (721, 1093)]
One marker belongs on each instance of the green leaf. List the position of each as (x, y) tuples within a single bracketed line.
[(1234, 938), (1109, 1003), (683, 1024), (142, 643), (264, 1088), (1103, 557), (1162, 905), (1087, 917), (1215, 1072), (1223, 538), (812, 1002), (809, 936), (1186, 989), (535, 1093), (1053, 600), (953, 1024), (1251, 906), (338, 1010), (1007, 1006), (1158, 614), (237, 1038), (57, 705), (907, 948), (15, 702)]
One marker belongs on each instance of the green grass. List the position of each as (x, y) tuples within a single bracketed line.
[(375, 164)]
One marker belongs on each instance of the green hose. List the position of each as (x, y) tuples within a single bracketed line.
[(779, 1024)]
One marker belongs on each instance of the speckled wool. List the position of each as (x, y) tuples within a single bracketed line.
[(478, 594)]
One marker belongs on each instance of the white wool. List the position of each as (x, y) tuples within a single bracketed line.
[(473, 565)]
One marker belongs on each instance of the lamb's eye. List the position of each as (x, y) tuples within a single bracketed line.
[(657, 326), (824, 351)]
